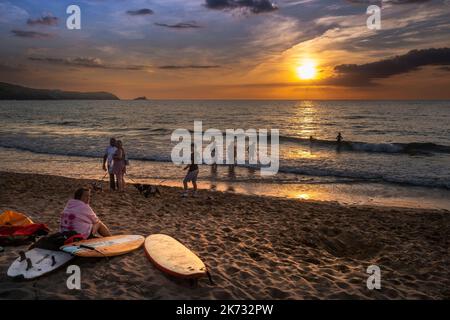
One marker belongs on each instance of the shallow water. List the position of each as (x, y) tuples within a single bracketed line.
[(241, 180), (398, 145)]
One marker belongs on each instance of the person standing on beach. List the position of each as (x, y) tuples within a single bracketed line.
[(108, 159), (339, 139), (119, 166), (214, 157), (191, 174), (78, 216)]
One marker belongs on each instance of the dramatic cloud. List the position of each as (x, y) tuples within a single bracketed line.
[(30, 34), (175, 67), (380, 2), (181, 25), (255, 6), (364, 74), (87, 62), (90, 62), (45, 20), (9, 68), (10, 13), (406, 1), (140, 12)]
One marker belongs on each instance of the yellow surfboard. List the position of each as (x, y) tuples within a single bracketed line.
[(105, 247), (172, 257)]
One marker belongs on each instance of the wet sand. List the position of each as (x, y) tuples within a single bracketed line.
[(256, 247)]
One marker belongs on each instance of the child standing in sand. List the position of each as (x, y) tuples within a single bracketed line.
[(191, 174)]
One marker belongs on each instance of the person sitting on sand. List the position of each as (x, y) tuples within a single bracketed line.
[(191, 174), (78, 216)]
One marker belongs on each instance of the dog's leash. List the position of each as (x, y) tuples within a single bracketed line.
[(137, 182), (104, 176), (130, 178)]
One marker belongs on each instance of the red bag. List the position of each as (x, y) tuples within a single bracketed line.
[(14, 235)]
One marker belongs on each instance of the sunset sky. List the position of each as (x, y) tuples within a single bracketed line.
[(230, 49)]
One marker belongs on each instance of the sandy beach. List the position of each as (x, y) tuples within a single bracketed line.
[(256, 247)]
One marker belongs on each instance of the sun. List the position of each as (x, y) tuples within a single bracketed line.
[(307, 70)]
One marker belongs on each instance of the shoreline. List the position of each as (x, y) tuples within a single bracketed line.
[(245, 181), (257, 247)]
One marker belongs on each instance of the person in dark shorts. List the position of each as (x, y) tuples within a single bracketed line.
[(192, 174), (108, 160)]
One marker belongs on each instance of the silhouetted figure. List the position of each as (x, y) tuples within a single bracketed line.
[(214, 158), (339, 139), (108, 159)]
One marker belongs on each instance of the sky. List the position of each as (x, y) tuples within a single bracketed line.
[(230, 49)]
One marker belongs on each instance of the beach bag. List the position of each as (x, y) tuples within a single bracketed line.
[(12, 218), (17, 235), (57, 240)]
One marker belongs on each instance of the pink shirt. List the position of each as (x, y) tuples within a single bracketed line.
[(78, 216)]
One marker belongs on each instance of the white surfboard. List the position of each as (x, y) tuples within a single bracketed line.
[(37, 262), (172, 257)]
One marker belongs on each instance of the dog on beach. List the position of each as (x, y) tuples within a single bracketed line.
[(147, 190), (96, 186)]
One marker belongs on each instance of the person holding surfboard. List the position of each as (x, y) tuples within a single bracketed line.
[(78, 216), (191, 174)]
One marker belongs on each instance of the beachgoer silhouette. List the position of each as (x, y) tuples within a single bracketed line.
[(108, 160), (339, 139)]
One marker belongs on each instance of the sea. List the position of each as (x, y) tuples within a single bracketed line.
[(394, 153)]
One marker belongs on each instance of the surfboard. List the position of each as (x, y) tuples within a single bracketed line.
[(172, 257), (37, 262), (104, 247)]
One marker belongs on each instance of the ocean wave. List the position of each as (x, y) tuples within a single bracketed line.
[(353, 174), (413, 148), (62, 123), (366, 177)]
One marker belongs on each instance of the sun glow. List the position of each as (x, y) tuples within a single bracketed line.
[(307, 70)]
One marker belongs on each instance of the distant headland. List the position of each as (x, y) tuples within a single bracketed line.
[(140, 98), (14, 92)]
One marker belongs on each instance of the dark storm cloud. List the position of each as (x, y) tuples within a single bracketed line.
[(352, 75), (255, 6), (364, 74), (9, 68), (87, 62), (180, 25), (45, 20), (177, 67), (379, 2), (30, 34), (140, 12)]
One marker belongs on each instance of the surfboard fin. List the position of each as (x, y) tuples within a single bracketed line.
[(53, 261), (22, 256), (29, 264), (209, 277)]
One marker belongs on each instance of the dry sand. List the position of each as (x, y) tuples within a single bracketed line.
[(256, 247)]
